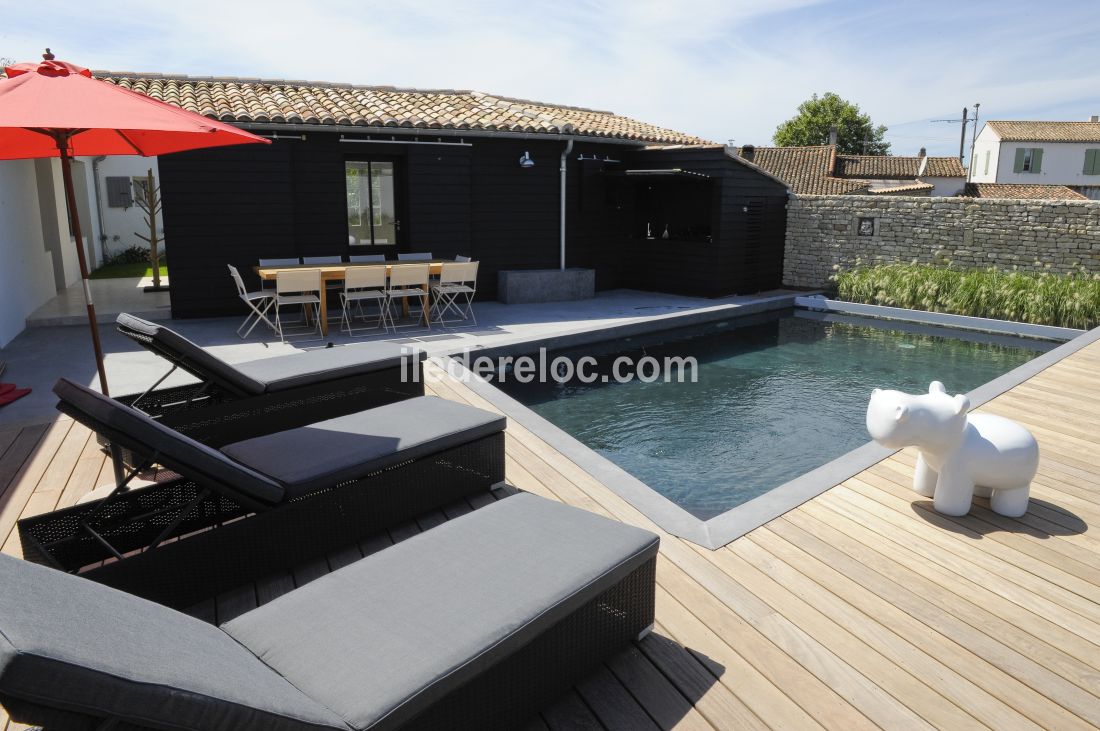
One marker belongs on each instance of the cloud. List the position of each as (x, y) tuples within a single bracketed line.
[(719, 69)]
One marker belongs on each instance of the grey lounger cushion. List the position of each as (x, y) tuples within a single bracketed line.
[(315, 366), (70, 643), (383, 638), (280, 373), (175, 450), (348, 447)]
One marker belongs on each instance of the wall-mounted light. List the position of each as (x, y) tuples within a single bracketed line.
[(526, 161)]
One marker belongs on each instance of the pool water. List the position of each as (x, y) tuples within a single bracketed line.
[(773, 400)]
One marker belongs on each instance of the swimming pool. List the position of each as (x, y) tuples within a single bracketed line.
[(776, 396)]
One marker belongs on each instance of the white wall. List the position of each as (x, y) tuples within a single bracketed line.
[(119, 225), (945, 187), (26, 268), (1063, 164), (987, 144)]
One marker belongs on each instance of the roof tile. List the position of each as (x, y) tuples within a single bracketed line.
[(1027, 192), (305, 102), (1010, 131)]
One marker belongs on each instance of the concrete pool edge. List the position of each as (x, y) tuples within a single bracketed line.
[(737, 521)]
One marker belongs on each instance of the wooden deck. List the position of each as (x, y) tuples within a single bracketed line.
[(859, 609)]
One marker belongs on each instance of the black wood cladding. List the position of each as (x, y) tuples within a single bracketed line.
[(234, 205)]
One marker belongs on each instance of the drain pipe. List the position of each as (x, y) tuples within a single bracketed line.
[(99, 207), (564, 155)]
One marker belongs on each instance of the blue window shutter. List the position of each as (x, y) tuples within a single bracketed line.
[(1018, 164), (1037, 160)]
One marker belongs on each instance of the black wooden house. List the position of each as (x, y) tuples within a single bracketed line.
[(376, 170)]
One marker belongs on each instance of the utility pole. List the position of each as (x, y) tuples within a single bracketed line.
[(962, 135), (973, 139), (962, 132)]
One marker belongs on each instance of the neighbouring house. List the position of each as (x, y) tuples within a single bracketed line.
[(121, 181), (1040, 153), (1022, 192), (36, 246), (373, 169), (821, 170)]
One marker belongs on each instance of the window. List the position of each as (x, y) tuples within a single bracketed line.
[(1092, 162), (372, 212), (985, 168), (1028, 160), (140, 186)]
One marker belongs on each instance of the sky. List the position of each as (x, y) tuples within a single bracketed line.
[(721, 69)]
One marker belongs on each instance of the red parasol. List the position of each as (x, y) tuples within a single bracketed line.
[(57, 109)]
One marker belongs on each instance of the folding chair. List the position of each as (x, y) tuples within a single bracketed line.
[(265, 298), (298, 287), (415, 256), (322, 260), (367, 258), (362, 284), (462, 258), (407, 281), (455, 293), (286, 262)]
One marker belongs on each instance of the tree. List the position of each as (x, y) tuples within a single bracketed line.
[(857, 134), (148, 200)]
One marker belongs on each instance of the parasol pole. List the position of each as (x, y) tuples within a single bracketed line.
[(62, 138)]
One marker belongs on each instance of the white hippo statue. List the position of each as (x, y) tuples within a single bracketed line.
[(960, 454)]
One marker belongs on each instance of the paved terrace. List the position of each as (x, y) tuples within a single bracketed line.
[(860, 609)]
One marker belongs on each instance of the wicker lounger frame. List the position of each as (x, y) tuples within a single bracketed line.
[(216, 416), (217, 411), (234, 544), (506, 694)]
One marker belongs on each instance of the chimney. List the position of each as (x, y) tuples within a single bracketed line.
[(748, 152), (923, 152), (833, 134), (1095, 118)]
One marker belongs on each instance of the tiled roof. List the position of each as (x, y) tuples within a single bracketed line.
[(820, 171), (309, 102), (806, 170), (915, 187), (944, 167), (890, 167), (1046, 131), (895, 167), (1029, 192)]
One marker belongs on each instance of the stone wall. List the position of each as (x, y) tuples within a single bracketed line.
[(829, 232)]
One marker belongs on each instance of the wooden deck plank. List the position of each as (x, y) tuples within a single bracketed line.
[(860, 609)]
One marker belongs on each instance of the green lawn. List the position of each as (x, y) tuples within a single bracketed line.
[(122, 271)]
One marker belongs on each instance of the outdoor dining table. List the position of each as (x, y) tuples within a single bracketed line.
[(336, 273)]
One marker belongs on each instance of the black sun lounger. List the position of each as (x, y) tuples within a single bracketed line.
[(273, 500), (478, 623), (269, 394)]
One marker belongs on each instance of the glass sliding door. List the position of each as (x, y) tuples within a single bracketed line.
[(372, 203)]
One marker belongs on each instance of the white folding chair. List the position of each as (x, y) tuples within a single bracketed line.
[(366, 258), (277, 263), (407, 281), (362, 284), (295, 287), (462, 258), (415, 256), (454, 293), (259, 302)]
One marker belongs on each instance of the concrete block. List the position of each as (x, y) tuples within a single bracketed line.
[(524, 286)]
